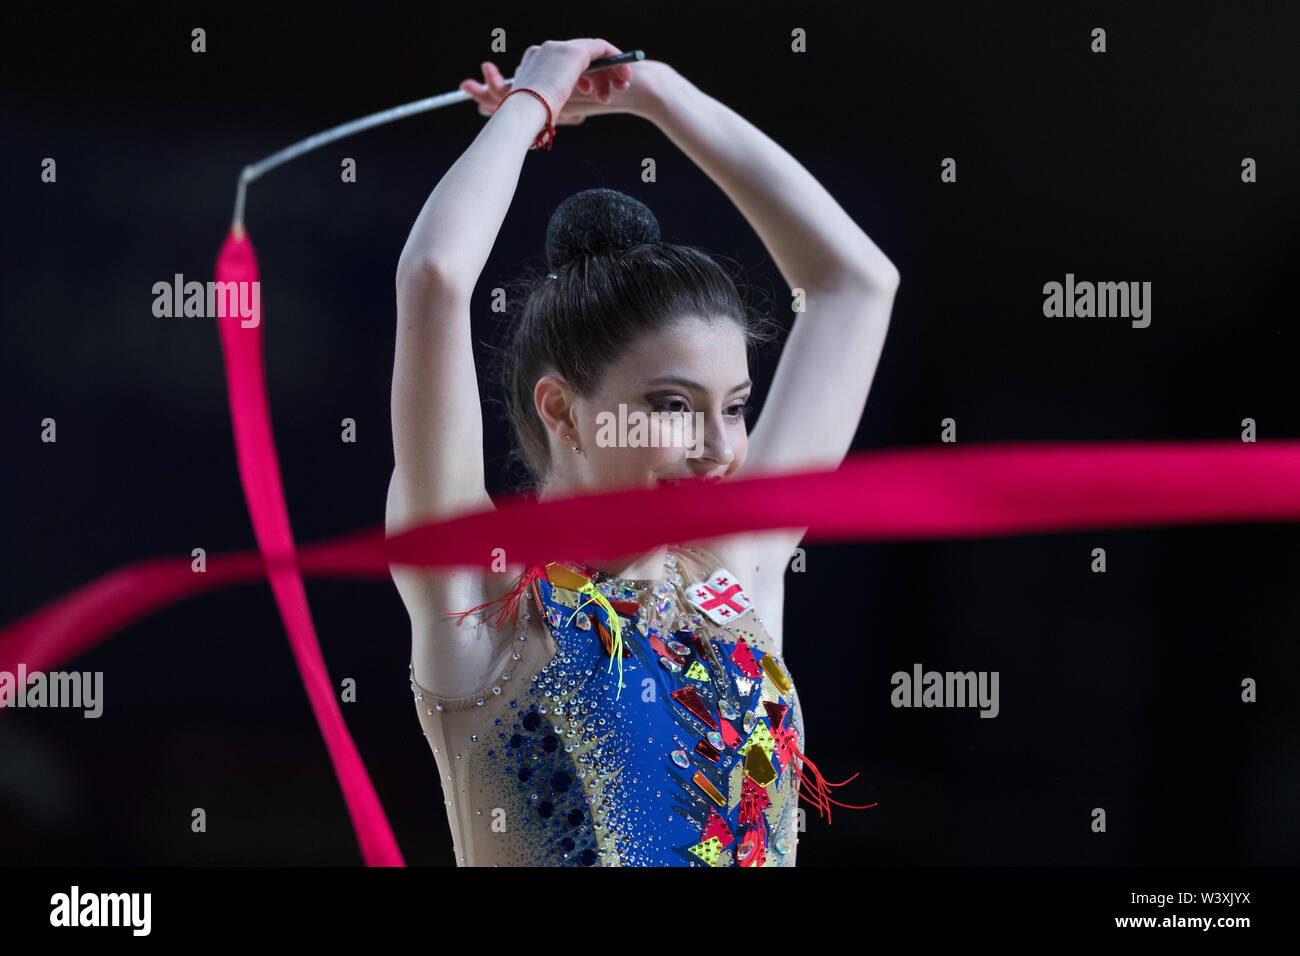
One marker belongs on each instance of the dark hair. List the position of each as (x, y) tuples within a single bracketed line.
[(611, 279)]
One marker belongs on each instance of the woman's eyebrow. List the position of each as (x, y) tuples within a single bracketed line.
[(687, 383)]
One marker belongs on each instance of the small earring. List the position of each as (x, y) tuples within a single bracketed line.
[(576, 449)]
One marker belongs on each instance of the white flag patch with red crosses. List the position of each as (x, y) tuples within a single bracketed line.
[(720, 597)]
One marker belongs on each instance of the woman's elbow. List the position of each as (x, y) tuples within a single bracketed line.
[(414, 268)]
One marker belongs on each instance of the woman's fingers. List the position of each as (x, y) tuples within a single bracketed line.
[(596, 88), (594, 84), (495, 81), (489, 96), (601, 83), (481, 95)]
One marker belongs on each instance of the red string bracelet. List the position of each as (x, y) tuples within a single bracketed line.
[(547, 135)]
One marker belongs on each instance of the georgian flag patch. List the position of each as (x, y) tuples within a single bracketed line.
[(720, 597)]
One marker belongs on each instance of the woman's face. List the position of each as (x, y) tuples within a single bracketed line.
[(683, 391)]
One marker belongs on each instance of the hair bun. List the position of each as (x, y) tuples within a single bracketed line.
[(597, 221)]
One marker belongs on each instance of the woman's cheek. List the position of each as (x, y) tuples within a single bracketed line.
[(663, 458), (674, 436), (739, 447)]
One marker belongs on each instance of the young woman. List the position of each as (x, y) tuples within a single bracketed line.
[(689, 751)]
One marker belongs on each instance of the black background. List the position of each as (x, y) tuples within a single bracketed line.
[(1119, 690)]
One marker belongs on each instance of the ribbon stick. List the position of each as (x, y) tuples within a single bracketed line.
[(255, 170)]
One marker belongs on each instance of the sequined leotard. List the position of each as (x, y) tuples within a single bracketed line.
[(691, 765)]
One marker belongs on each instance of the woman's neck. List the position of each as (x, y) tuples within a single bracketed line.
[(645, 565), (648, 565)]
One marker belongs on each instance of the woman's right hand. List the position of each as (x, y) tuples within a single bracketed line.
[(554, 70)]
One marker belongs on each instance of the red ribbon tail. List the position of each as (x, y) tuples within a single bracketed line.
[(820, 794)]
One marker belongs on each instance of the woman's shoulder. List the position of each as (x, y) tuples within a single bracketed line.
[(752, 558), (745, 561)]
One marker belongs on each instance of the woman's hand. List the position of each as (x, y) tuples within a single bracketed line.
[(630, 88)]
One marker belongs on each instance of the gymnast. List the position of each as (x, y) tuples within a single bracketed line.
[(639, 712)]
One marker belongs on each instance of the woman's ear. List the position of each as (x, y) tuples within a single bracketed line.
[(553, 399)]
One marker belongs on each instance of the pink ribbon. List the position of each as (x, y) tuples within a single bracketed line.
[(259, 470), (902, 494)]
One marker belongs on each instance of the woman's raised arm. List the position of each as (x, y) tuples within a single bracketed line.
[(830, 357), (437, 416)]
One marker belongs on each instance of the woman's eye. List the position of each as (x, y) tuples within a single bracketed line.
[(678, 406), (669, 405)]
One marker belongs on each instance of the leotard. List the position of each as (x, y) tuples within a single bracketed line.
[(690, 763)]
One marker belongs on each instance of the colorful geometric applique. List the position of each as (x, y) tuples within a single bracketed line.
[(689, 698), (705, 784), (711, 753), (700, 644), (663, 650), (785, 736), (743, 658), (708, 850), (717, 827), (720, 597), (697, 672), (761, 736), (560, 576), (565, 597), (729, 735), (774, 671), (758, 767), (626, 608), (775, 712), (770, 692)]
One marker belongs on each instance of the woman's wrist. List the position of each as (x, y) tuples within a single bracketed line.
[(525, 115), (661, 86)]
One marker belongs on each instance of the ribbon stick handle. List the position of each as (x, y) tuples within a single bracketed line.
[(254, 170)]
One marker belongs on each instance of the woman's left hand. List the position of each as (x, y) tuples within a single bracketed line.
[(596, 93)]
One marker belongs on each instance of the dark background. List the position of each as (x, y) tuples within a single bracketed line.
[(1119, 690)]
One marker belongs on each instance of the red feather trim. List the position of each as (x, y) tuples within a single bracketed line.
[(511, 606), (820, 791)]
